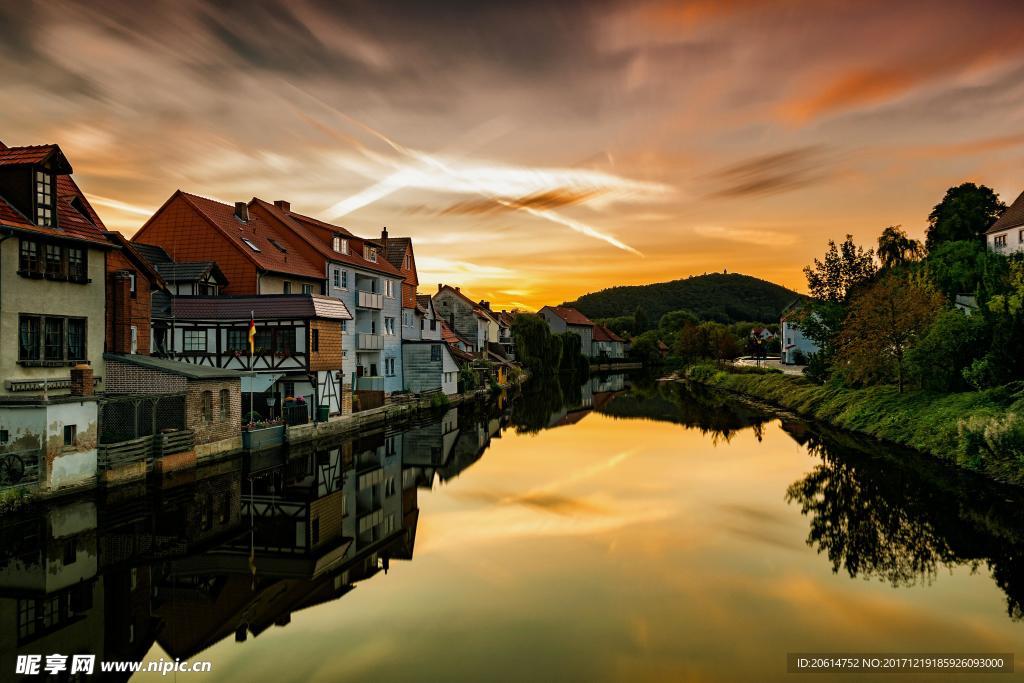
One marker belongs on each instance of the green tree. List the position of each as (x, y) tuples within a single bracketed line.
[(966, 267), (691, 342), (644, 347), (947, 348), (884, 323), (536, 348), (641, 321), (844, 268), (673, 321), (965, 213), (896, 249)]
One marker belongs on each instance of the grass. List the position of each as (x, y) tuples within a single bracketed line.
[(979, 430)]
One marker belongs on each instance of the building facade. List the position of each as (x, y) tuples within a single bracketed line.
[(1006, 236)]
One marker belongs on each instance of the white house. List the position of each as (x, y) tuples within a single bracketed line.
[(1006, 235), (794, 343)]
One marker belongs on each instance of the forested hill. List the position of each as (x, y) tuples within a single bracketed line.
[(716, 296)]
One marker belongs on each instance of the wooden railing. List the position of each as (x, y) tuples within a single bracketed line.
[(144, 449)]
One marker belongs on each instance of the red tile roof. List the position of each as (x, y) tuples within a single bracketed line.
[(71, 222), (603, 334), (319, 235), (570, 315), (1011, 218), (259, 232), (263, 307)]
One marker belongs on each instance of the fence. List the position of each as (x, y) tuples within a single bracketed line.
[(135, 429)]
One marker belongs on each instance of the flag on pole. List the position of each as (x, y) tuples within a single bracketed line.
[(252, 335)]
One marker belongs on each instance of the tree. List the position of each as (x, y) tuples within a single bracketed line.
[(966, 267), (641, 321), (843, 269), (644, 348), (948, 347), (896, 249), (673, 321), (536, 349), (965, 213), (884, 322), (691, 342)]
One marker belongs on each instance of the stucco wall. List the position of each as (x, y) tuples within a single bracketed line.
[(46, 297)]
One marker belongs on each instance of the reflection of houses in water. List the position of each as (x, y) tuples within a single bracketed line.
[(429, 447), (595, 393), (236, 549)]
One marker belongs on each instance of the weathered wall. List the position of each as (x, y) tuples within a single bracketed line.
[(218, 427)]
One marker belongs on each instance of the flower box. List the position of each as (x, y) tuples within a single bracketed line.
[(258, 438)]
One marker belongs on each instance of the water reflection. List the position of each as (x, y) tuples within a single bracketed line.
[(234, 549)]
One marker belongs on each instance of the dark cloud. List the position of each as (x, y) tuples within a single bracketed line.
[(772, 173)]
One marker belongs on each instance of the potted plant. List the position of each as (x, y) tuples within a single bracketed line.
[(262, 433)]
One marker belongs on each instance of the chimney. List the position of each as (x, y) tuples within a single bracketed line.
[(384, 237), (459, 290), (283, 205), (440, 286), (81, 380), (242, 211)]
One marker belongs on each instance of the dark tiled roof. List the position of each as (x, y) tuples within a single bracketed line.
[(257, 230), (175, 367), (570, 315), (185, 272), (424, 302), (265, 307), (394, 251), (28, 155), (1011, 218), (153, 253)]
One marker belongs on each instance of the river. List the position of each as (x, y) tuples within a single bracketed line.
[(623, 530)]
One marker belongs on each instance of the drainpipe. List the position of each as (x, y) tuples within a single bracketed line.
[(3, 238)]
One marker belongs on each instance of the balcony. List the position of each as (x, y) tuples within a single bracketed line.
[(369, 300), (369, 342)]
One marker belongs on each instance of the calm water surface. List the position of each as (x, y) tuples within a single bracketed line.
[(609, 532)]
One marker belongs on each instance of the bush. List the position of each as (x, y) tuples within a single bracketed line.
[(439, 401)]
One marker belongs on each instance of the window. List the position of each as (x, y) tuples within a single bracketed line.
[(314, 344), (287, 287), (284, 340), (134, 339), (370, 254), (29, 336), (77, 267), (263, 341), (195, 340), (407, 319), (389, 289), (999, 241), (389, 367), (344, 326), (435, 353), (237, 339), (433, 325), (53, 339), (277, 245), (307, 289), (337, 278), (1020, 236), (76, 339), (344, 279), (70, 435), (406, 262), (132, 282), (251, 244), (54, 261), (225, 404), (207, 407), (289, 389), (44, 199), (389, 325), (28, 258), (339, 244), (5, 436)]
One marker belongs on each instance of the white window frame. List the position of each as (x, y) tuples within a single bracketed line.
[(389, 326), (389, 289), (370, 254)]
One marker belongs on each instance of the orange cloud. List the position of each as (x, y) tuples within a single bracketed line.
[(550, 199), (856, 88)]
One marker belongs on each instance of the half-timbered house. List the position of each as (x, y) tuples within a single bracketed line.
[(297, 345)]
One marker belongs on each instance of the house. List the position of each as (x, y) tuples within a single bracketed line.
[(463, 349), (297, 346), (399, 253), (1006, 236), (607, 344), (211, 395), (796, 348), (562, 319), (184, 278), (505, 333), (430, 364), (253, 255), (53, 251), (358, 274), (429, 321), (132, 284), (471, 321)]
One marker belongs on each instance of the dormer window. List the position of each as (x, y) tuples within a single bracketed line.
[(44, 199), (370, 254), (340, 245), (251, 244)]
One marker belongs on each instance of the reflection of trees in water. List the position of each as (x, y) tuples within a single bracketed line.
[(541, 398), (712, 413), (899, 518)]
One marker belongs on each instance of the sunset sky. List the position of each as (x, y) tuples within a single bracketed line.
[(536, 150)]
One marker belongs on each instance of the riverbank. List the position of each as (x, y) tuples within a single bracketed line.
[(981, 431)]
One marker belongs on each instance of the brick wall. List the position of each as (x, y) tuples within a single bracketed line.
[(329, 355), (124, 310), (125, 378), (218, 427)]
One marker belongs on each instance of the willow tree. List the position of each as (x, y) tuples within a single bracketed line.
[(884, 322)]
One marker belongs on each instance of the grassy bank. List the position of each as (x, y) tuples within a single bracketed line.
[(982, 431)]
